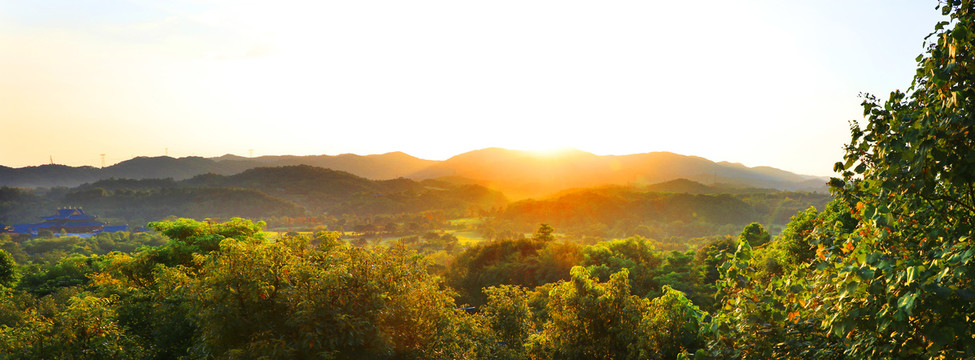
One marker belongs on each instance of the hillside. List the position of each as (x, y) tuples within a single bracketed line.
[(291, 191), (680, 208)]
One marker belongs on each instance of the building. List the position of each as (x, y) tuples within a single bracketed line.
[(68, 221), (72, 221)]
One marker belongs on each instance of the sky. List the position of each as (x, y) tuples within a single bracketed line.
[(763, 83)]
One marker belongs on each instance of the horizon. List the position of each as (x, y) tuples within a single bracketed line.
[(754, 82), (538, 153)]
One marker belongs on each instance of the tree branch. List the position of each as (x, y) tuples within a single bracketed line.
[(939, 211), (958, 202), (971, 194)]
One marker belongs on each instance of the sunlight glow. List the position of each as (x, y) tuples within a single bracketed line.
[(553, 152), (436, 78)]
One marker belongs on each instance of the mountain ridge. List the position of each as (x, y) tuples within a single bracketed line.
[(517, 173)]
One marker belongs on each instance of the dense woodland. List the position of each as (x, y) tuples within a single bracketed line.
[(882, 270)]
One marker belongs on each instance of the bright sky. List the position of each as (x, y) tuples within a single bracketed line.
[(758, 82)]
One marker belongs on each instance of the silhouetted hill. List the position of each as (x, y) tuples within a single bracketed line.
[(310, 186), (380, 167), (324, 190), (288, 191), (47, 176), (162, 167)]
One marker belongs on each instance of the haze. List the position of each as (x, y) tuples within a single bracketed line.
[(758, 82)]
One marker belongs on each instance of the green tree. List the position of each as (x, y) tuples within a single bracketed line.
[(894, 276), (590, 320), (635, 254), (755, 234), (523, 262), (544, 233), (910, 172), (85, 329), (670, 326), (509, 317), (8, 270), (779, 318)]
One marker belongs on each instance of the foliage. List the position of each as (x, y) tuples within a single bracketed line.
[(635, 254), (71, 271), (252, 298), (509, 317), (911, 263), (671, 326), (524, 262), (188, 237), (755, 234), (589, 320), (544, 233), (85, 329), (887, 270), (8, 270)]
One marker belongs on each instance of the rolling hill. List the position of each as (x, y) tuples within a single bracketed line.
[(293, 191)]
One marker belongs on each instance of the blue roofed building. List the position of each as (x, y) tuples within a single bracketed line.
[(71, 220)]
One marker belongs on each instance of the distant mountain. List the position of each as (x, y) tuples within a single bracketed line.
[(523, 174), (48, 176), (379, 167), (163, 167), (518, 174)]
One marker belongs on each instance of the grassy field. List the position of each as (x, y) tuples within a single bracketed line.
[(468, 222), (465, 238)]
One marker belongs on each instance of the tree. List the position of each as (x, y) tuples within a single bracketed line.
[(894, 277), (590, 320), (509, 318), (544, 233), (910, 172), (86, 328), (635, 254), (670, 326), (755, 234), (8, 270)]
